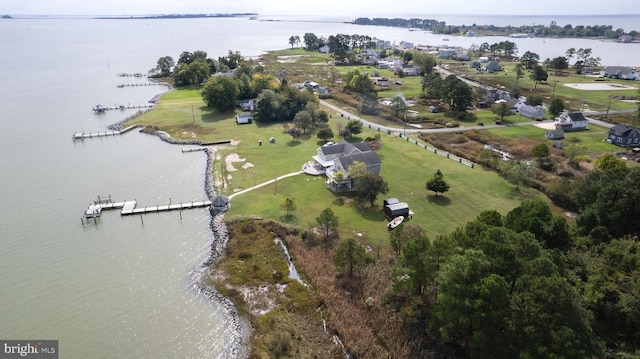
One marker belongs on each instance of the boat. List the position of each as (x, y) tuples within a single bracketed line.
[(395, 222), (99, 109)]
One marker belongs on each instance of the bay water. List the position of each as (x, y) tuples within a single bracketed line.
[(125, 287)]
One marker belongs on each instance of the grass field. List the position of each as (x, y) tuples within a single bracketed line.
[(406, 167)]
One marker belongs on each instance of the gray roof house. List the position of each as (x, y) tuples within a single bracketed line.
[(572, 121), (532, 111), (624, 136), (619, 72), (339, 157), (493, 66), (556, 134)]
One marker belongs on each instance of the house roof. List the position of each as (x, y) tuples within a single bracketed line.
[(576, 116), (345, 148), (368, 158), (622, 130)]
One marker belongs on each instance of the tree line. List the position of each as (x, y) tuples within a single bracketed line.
[(541, 30)]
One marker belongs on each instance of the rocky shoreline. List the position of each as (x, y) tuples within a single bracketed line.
[(240, 327)]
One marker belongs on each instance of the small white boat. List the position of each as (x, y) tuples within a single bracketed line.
[(395, 222)]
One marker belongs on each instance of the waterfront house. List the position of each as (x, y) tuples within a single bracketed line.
[(619, 72), (625, 38), (624, 136), (324, 49), (337, 158)]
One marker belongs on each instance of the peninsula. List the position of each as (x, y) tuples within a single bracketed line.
[(551, 30), (526, 229), (179, 16)]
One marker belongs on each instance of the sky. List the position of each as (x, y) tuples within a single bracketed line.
[(354, 8)]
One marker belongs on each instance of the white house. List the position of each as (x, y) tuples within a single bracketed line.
[(324, 49), (243, 118), (619, 72), (572, 121)]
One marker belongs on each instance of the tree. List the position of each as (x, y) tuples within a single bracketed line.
[(556, 107), (559, 63), (304, 121), (576, 154), (325, 134), (164, 65), (425, 62), (437, 183), (354, 127), (369, 185), (311, 42), (398, 106), (519, 72), (193, 73), (292, 41), (357, 82), (529, 60), (369, 104), (327, 223), (295, 133), (457, 94), (539, 75), (221, 93), (516, 172), (289, 206), (534, 100), (262, 81), (502, 109), (516, 92), (571, 52), (349, 255)]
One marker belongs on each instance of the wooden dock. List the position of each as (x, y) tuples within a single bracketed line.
[(101, 108), (82, 135), (129, 207), (193, 149), (141, 84)]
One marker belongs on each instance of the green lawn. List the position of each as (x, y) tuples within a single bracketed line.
[(575, 99), (592, 139), (406, 167)]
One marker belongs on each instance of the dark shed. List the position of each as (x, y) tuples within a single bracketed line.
[(397, 209), (389, 201)]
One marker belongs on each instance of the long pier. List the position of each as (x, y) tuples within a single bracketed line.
[(142, 84), (101, 108), (82, 135), (130, 207)]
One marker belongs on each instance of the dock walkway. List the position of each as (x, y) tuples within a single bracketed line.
[(82, 135), (129, 207)]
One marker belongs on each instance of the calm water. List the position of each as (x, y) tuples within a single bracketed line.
[(124, 288)]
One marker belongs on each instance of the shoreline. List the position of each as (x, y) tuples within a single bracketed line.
[(241, 327)]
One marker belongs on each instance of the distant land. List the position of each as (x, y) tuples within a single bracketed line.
[(551, 30), (6, 17), (178, 16)]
